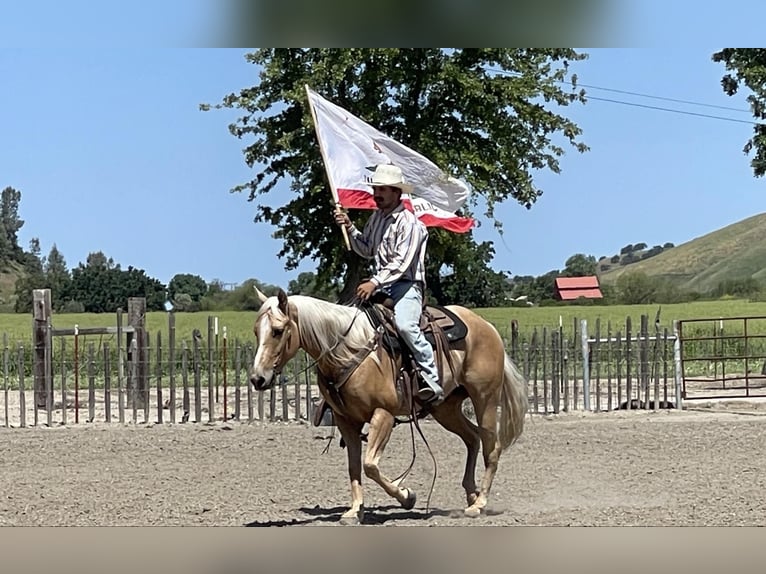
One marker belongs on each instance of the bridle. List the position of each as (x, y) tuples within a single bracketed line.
[(287, 344)]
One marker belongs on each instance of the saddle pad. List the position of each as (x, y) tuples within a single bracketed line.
[(453, 327)]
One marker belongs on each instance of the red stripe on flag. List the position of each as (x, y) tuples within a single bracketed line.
[(355, 199), (454, 224)]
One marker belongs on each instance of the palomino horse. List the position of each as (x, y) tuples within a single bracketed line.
[(337, 336)]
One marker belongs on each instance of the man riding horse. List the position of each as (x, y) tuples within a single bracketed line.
[(396, 239)]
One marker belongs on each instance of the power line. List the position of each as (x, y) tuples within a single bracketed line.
[(689, 102), (750, 122), (650, 96)]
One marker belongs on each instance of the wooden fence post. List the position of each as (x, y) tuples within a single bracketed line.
[(91, 382), (158, 359), (544, 357), (555, 372), (147, 370), (120, 370), (237, 381), (514, 340), (137, 387), (585, 349), (643, 367), (172, 363), (197, 380), (107, 385), (22, 390), (628, 362), (535, 365), (211, 389), (6, 355), (41, 311), (185, 381), (132, 392), (224, 361)]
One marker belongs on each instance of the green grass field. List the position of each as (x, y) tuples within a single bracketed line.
[(239, 324), (530, 318)]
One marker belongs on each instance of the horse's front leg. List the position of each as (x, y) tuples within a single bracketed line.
[(381, 425), (352, 436)]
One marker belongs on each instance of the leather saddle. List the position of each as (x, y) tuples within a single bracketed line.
[(443, 329), (435, 321)]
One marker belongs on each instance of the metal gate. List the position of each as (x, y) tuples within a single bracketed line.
[(723, 358)]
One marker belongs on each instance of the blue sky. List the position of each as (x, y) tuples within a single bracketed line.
[(111, 153), (650, 176)]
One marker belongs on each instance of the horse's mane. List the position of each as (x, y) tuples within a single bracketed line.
[(340, 331)]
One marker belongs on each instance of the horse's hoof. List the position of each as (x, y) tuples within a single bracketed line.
[(472, 498), (472, 512), (352, 518), (409, 502)]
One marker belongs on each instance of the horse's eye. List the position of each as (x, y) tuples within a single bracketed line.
[(276, 333)]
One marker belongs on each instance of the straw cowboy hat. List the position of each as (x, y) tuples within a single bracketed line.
[(387, 174)]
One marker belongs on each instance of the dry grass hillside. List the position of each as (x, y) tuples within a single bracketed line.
[(736, 251)]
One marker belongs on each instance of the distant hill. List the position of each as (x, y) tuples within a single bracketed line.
[(737, 251)]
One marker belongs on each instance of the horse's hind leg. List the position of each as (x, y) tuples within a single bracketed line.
[(486, 415), (380, 427), (450, 415), (351, 433)]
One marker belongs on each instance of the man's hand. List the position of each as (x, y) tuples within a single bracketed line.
[(365, 289), (342, 219)]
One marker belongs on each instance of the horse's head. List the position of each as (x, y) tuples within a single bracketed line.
[(278, 340)]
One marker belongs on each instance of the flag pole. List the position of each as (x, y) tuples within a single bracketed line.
[(333, 189)]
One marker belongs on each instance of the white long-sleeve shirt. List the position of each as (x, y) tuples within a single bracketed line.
[(397, 242)]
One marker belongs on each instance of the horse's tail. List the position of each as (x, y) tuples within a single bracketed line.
[(514, 404)]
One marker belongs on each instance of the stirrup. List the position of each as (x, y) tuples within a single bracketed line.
[(428, 396)]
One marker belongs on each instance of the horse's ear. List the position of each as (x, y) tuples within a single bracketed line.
[(261, 296), (282, 298)]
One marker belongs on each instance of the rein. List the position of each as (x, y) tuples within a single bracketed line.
[(331, 349)]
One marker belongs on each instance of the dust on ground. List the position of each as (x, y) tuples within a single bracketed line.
[(701, 467)]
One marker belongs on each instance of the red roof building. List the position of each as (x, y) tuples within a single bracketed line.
[(571, 288)]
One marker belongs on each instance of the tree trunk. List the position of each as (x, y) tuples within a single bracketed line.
[(435, 290), (356, 270)]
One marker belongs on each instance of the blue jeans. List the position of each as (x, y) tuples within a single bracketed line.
[(408, 307)]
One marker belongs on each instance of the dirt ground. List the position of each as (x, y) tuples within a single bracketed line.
[(695, 467)]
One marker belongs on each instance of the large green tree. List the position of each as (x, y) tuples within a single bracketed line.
[(462, 273), (490, 116), (10, 223), (636, 288), (102, 286), (747, 67), (33, 277), (6, 248), (306, 284), (186, 283), (580, 265), (57, 278)]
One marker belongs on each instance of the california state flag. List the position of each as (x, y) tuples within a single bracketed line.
[(352, 147)]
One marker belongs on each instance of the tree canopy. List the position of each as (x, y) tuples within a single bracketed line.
[(580, 265), (489, 116), (10, 223), (186, 290), (747, 66)]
